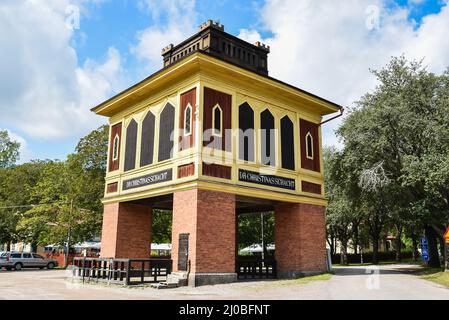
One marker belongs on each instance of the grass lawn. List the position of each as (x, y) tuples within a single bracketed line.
[(304, 280), (436, 275), (380, 263)]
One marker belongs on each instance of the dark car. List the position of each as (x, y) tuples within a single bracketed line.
[(20, 260)]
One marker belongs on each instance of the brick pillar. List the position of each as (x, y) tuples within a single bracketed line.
[(209, 219), (126, 231), (300, 237)]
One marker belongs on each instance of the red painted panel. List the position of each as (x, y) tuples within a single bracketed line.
[(311, 187), (186, 170), (306, 163), (115, 130), (112, 187), (211, 99), (187, 142), (217, 171)]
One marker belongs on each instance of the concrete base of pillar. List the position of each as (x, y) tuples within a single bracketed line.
[(206, 279)]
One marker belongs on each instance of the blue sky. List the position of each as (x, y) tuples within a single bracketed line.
[(55, 76)]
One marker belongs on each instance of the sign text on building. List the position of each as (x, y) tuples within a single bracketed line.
[(267, 180), (147, 180)]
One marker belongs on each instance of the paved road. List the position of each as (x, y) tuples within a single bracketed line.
[(388, 282)]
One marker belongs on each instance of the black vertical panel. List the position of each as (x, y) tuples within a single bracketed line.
[(288, 144), (131, 144), (268, 150), (147, 147), (246, 122), (217, 119), (309, 145), (166, 127), (183, 252)]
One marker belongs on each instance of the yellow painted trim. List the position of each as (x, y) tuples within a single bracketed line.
[(221, 187)]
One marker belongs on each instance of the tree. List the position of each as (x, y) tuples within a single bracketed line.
[(341, 214), (250, 229), (400, 124), (68, 195), (162, 226), (16, 185), (9, 150)]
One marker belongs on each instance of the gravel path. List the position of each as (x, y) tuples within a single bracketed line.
[(348, 283)]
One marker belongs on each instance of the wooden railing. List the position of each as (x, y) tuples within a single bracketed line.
[(121, 271), (256, 268)]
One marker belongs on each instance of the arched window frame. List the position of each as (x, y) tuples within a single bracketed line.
[(215, 132), (115, 148), (188, 109), (309, 146)]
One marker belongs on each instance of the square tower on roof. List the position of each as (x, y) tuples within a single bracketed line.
[(212, 39)]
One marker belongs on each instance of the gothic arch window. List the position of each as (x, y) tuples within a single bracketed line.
[(309, 146), (147, 144), (188, 120), (166, 128), (217, 121), (288, 144), (131, 144), (268, 147), (115, 147), (246, 133)]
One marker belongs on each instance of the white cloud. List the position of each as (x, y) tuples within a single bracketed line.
[(44, 93), (173, 22), (327, 47)]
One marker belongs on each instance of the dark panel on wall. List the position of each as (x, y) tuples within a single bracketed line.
[(217, 171), (166, 127), (131, 146), (147, 147), (309, 164), (288, 144), (183, 252), (112, 187), (246, 135), (311, 187), (211, 99), (115, 130), (186, 170), (187, 142), (268, 139)]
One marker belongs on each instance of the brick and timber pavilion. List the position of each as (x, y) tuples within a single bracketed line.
[(211, 136)]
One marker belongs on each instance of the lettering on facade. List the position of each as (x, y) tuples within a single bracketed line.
[(267, 180), (147, 180)]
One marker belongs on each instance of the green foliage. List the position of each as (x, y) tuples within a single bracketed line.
[(9, 150), (250, 229), (162, 224), (401, 128), (63, 196)]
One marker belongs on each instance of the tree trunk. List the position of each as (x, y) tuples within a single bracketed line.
[(415, 251), (356, 240), (434, 260), (8, 246), (344, 254), (442, 250), (398, 243), (33, 247), (375, 250)]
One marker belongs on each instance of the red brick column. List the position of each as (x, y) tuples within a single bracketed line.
[(300, 237), (209, 219), (126, 231)]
